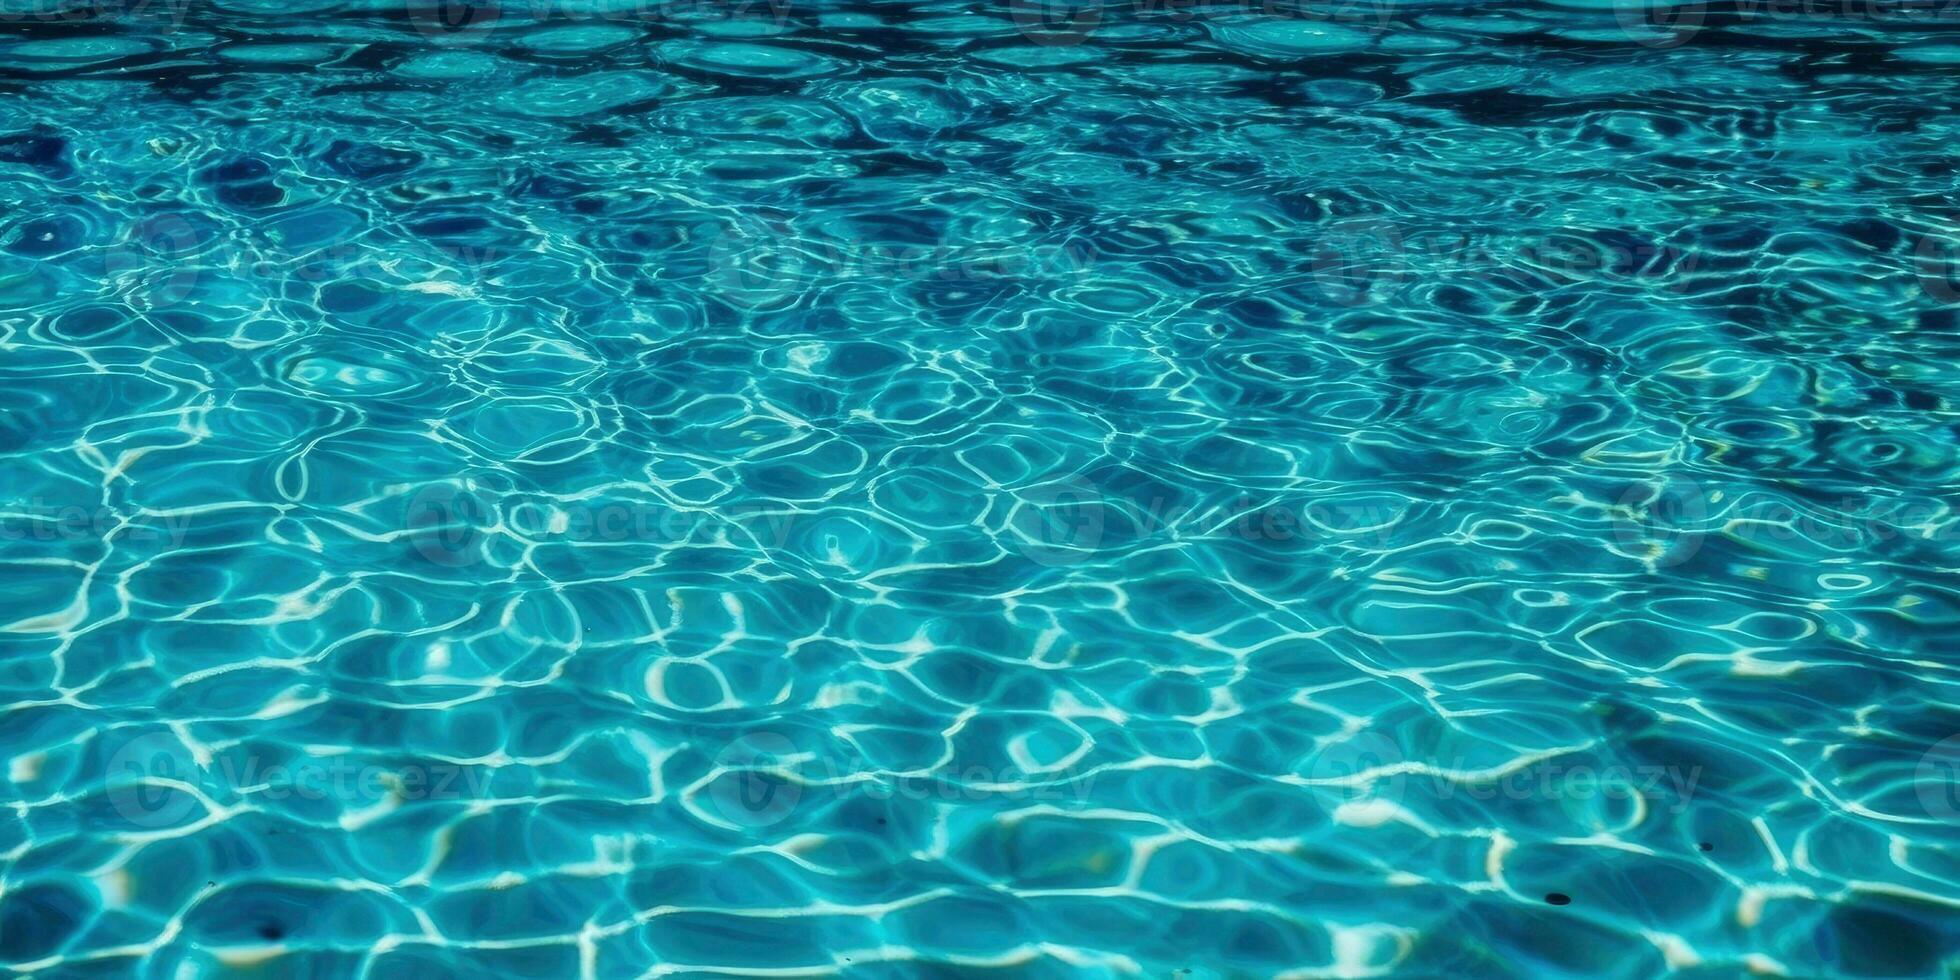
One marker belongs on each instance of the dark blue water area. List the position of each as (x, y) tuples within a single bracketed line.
[(611, 489)]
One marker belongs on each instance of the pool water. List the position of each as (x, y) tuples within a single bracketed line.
[(580, 488)]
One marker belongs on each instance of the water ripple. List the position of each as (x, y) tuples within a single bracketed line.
[(895, 489)]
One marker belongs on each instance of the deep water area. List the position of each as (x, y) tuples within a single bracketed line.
[(612, 489)]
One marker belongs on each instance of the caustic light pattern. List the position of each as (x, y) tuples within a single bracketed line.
[(604, 489)]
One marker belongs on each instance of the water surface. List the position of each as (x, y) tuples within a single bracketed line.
[(906, 490)]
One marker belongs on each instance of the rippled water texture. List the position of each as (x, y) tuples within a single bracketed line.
[(942, 490)]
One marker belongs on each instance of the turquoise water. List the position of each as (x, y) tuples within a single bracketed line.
[(939, 490)]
